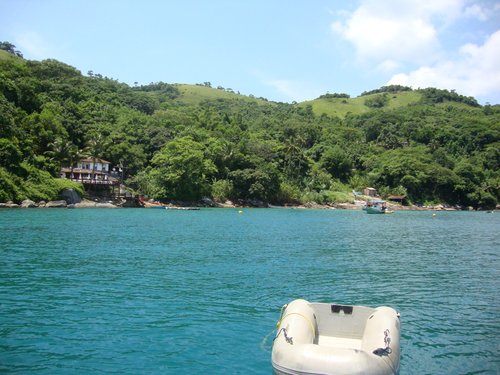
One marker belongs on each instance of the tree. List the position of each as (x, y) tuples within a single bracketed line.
[(261, 183), (295, 162), (131, 157), (413, 169), (10, 155), (183, 171), (337, 163), (96, 147), (10, 48), (377, 101), (41, 129), (7, 118), (60, 151), (75, 154)]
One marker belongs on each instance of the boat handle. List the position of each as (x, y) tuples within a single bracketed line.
[(387, 350), (287, 338)]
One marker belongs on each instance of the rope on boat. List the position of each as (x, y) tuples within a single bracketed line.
[(264, 342), (282, 318), (281, 315), (384, 352), (387, 341), (288, 339), (303, 316)]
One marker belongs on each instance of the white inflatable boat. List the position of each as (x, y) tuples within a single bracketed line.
[(323, 338)]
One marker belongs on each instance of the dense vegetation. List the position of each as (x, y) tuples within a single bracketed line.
[(189, 141)]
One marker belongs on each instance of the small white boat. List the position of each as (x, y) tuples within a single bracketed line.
[(376, 206), (183, 208), (323, 338)]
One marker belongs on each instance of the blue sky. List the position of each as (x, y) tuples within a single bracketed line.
[(281, 50)]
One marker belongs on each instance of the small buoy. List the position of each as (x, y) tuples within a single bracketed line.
[(240, 212), (433, 215)]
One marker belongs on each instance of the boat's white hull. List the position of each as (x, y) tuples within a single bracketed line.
[(319, 338), (375, 210)]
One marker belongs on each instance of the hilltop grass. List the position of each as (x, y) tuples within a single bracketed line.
[(333, 107), (337, 107), (340, 107), (4, 55), (402, 99), (195, 95)]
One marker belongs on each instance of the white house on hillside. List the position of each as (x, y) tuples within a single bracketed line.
[(100, 165), (87, 173)]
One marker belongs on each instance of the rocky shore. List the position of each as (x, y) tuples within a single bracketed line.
[(87, 203), (68, 198)]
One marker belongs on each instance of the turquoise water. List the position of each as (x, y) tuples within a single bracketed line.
[(143, 291)]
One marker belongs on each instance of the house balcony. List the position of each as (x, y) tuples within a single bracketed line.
[(90, 181), (89, 177)]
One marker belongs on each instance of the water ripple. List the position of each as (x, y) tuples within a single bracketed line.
[(141, 291)]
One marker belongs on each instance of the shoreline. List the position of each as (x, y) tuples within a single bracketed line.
[(357, 205)]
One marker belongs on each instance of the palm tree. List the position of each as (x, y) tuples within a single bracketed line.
[(95, 149), (75, 155), (60, 151), (295, 161)]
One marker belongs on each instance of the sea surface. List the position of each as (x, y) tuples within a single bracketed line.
[(146, 291)]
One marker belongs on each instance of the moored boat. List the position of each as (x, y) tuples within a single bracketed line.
[(376, 206), (323, 338), (149, 203), (183, 208), (154, 205)]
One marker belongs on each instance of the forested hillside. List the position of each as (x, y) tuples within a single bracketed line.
[(189, 141)]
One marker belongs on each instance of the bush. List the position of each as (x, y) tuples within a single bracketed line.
[(359, 182), (62, 183), (9, 186), (312, 197), (335, 96), (222, 190), (37, 185), (482, 199), (327, 197), (377, 101), (288, 193), (337, 197), (339, 187)]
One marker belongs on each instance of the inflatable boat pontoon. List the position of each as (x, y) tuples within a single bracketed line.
[(323, 338)]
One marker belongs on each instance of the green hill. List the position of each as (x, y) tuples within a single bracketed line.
[(340, 107), (185, 142), (197, 94), (334, 107), (6, 56)]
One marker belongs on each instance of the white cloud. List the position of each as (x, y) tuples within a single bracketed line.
[(482, 11), (476, 72), (408, 37), (396, 30), (388, 66), (476, 11)]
